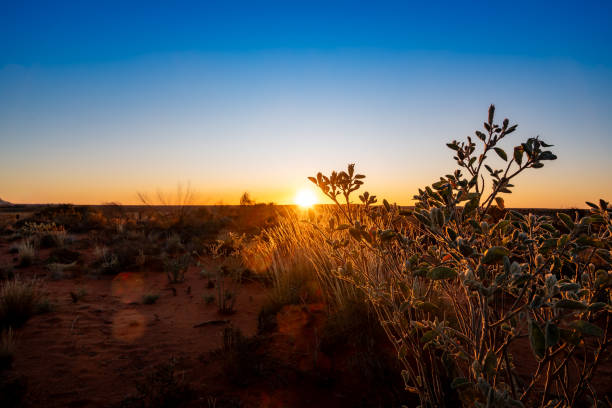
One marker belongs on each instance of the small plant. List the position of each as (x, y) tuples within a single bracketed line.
[(176, 268), (107, 261), (226, 297), (18, 301), (246, 199), (7, 348), (27, 253), (150, 298)]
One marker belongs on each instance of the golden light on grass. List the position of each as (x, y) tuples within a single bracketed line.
[(305, 198)]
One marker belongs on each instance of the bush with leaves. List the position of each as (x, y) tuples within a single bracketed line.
[(461, 285)]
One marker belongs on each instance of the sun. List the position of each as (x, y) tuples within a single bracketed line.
[(305, 198)]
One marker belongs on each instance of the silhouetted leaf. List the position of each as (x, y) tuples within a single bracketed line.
[(552, 334), (570, 304), (501, 153), (494, 255), (536, 339), (586, 328), (459, 382), (441, 272)]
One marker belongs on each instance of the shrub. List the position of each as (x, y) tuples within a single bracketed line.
[(459, 280), (47, 235), (18, 301), (246, 199), (27, 253), (106, 260)]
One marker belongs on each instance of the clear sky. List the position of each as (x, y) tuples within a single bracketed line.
[(99, 100)]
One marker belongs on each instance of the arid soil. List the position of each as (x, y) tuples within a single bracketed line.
[(94, 352)]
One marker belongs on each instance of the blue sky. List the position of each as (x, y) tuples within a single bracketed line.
[(100, 100)]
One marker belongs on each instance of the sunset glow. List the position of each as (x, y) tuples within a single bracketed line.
[(305, 198), (99, 104)]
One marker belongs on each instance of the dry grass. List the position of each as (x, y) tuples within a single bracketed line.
[(19, 300), (27, 253)]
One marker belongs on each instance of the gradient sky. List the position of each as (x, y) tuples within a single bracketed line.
[(99, 100)]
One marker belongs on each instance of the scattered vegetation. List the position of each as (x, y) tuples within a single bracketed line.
[(457, 301)]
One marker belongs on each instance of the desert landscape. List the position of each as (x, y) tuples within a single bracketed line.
[(305, 204)]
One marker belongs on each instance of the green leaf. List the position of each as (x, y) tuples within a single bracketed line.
[(547, 156), (441, 272), (570, 337), (590, 204), (500, 152), (569, 287), (518, 154), (552, 334), (566, 220), (428, 336), (453, 146), (500, 225), (425, 306), (570, 304), (490, 363), (494, 255), (536, 339), (459, 382), (597, 306), (387, 206), (586, 328), (470, 206)]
